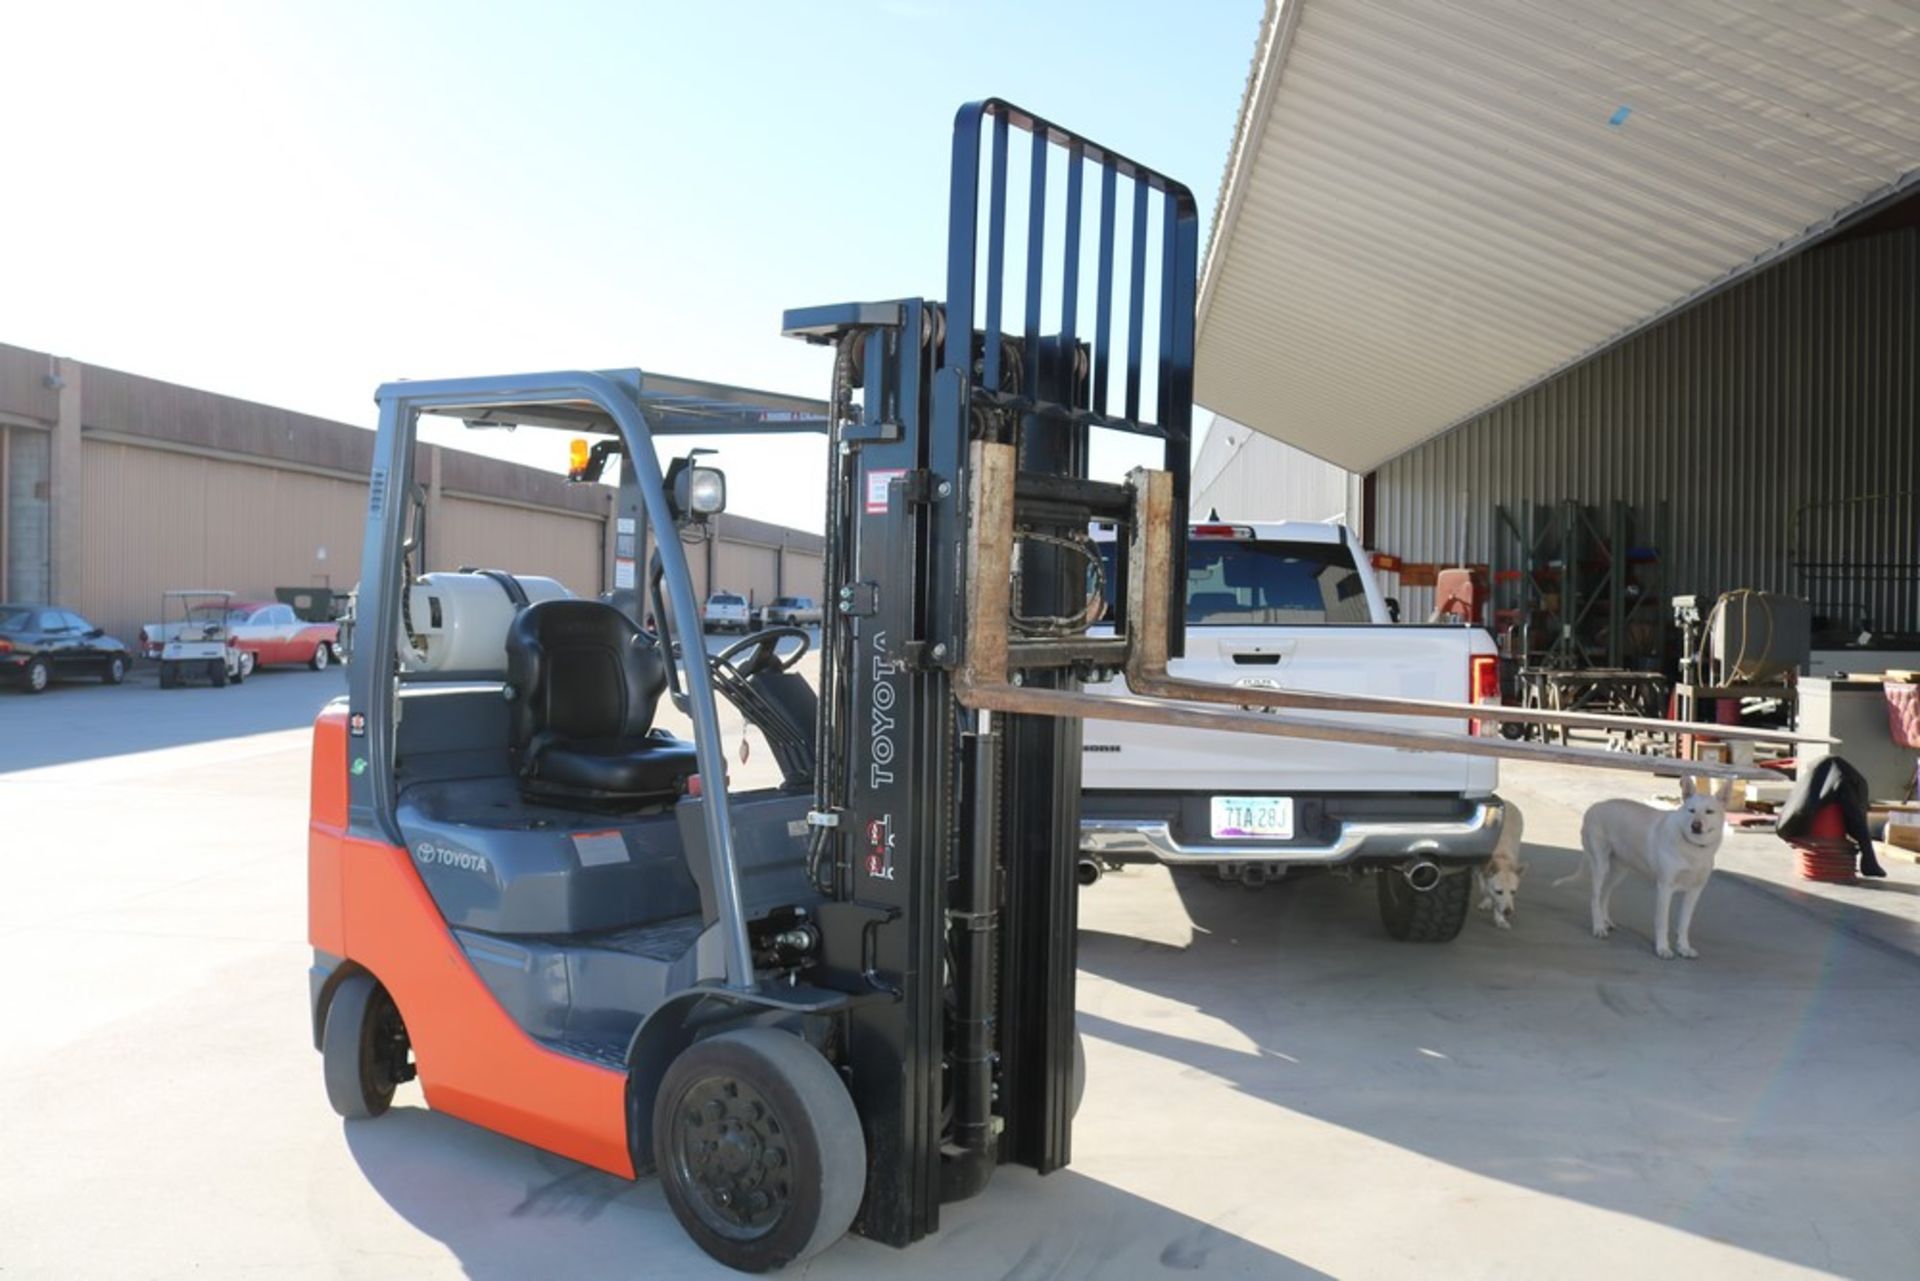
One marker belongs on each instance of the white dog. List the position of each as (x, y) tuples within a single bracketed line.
[(1672, 848), (1498, 879)]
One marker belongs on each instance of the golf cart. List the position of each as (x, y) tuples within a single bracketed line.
[(200, 646)]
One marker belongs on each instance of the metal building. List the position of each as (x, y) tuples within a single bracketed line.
[(1775, 424), (115, 487), (1662, 255)]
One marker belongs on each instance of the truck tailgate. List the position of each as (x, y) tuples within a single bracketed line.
[(1399, 661)]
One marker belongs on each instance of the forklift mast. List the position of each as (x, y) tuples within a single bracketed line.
[(946, 837)]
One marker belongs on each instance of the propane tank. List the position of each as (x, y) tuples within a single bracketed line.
[(457, 622)]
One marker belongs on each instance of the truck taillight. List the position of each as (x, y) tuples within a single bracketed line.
[(1483, 687)]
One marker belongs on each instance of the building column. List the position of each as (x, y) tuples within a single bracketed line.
[(66, 520)]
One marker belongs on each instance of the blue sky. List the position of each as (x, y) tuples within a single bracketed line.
[(294, 203)]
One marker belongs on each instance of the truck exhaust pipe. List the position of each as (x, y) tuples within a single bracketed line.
[(1422, 874), (1087, 871)]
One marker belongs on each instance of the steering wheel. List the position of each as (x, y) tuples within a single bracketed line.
[(764, 655)]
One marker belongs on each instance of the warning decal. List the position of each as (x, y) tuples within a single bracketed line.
[(877, 482)]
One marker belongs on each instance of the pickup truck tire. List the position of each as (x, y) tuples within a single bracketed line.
[(1435, 916)]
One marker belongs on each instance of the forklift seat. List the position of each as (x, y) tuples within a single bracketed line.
[(584, 681)]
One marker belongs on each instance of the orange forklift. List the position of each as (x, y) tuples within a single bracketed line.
[(837, 1002)]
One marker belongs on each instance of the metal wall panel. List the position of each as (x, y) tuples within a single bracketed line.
[(804, 575), (1245, 475), (157, 519), (751, 570), (1779, 421), (521, 540)]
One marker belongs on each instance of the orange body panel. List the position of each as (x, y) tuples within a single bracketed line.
[(369, 905), (326, 828)]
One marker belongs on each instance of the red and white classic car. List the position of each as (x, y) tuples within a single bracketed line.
[(265, 632)]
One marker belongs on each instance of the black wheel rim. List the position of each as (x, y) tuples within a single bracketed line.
[(730, 1158), (383, 1049)]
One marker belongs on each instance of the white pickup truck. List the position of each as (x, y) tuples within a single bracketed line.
[(1296, 606)]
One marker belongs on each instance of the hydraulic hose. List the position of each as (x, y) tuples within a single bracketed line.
[(829, 768)]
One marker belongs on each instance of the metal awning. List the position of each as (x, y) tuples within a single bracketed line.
[(1430, 207)]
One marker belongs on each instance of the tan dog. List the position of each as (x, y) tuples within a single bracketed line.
[(1498, 879), (1672, 848)]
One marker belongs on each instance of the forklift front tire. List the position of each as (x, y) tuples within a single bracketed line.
[(759, 1148), (169, 676), (362, 1048)]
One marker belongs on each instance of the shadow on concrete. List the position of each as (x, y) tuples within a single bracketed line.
[(1892, 923), (78, 722), (1760, 1096), (508, 1212)]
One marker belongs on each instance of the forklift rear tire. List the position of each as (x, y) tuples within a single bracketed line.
[(360, 1044), (759, 1148), (217, 673), (1432, 916), (168, 676)]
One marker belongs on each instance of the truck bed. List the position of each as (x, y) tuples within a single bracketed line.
[(1382, 659)]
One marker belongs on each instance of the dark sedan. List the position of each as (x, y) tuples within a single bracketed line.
[(40, 644)]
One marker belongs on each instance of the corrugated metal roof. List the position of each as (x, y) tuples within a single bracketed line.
[(1431, 207)]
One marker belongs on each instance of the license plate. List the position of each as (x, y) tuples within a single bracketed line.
[(1269, 817)]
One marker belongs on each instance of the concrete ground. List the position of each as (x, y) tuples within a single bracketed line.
[(1274, 1088)]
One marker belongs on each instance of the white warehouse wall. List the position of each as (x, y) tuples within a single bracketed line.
[(1248, 476)]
